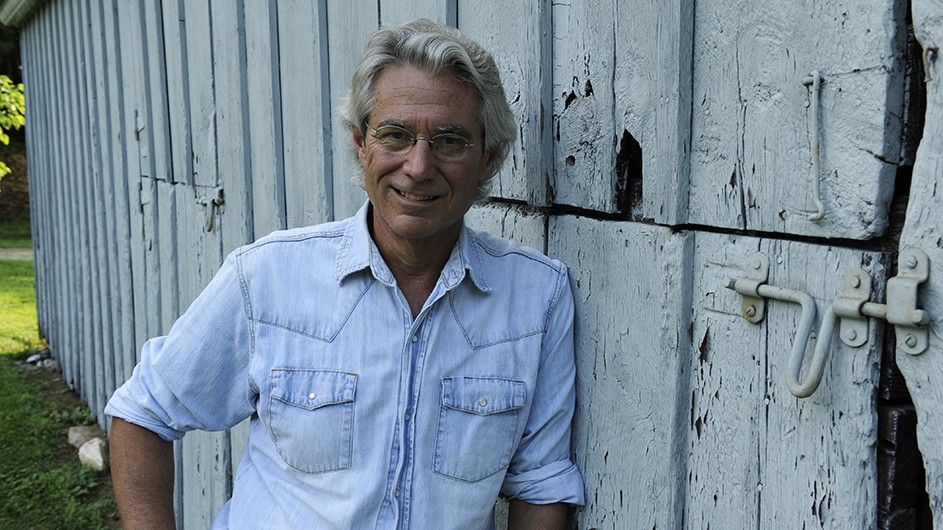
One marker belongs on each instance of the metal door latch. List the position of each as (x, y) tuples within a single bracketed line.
[(910, 324), (211, 205), (851, 307), (754, 290)]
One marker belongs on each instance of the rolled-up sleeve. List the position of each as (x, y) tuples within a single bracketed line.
[(196, 377), (542, 470)]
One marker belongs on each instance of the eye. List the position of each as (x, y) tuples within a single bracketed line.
[(396, 135), (450, 140)]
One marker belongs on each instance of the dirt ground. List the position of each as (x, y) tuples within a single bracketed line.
[(14, 188)]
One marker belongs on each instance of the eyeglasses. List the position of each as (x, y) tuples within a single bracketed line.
[(448, 147)]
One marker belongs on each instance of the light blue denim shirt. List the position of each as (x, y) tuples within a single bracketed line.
[(361, 416)]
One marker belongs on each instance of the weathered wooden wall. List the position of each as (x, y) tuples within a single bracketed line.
[(661, 145)]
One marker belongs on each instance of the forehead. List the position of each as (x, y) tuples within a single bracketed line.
[(418, 99)]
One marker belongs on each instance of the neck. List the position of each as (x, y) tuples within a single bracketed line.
[(415, 264)]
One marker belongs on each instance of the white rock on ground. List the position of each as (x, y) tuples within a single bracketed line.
[(93, 454), (79, 435)]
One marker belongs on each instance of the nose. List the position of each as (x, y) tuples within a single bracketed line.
[(419, 159)]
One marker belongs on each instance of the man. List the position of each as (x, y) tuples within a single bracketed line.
[(400, 370)]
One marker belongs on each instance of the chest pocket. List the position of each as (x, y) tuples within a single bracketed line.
[(312, 418), (478, 425)]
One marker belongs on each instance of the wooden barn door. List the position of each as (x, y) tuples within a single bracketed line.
[(682, 145)]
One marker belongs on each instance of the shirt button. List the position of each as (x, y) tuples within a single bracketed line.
[(415, 338), (407, 416), (312, 395), (396, 492), (483, 402)]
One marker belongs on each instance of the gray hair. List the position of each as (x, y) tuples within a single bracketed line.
[(435, 49)]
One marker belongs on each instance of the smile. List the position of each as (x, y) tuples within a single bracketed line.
[(415, 196)]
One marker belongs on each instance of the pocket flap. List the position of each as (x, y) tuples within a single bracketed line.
[(310, 389), (482, 395)]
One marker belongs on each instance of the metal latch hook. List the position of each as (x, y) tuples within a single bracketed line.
[(751, 287)]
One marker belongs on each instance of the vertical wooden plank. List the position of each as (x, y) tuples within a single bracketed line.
[(349, 25), (752, 123), (95, 213), (631, 289), (74, 346), (199, 53), (924, 372), (177, 72), (519, 37), (119, 181), (104, 204), (265, 118), (232, 116), (759, 456), (145, 284), (621, 106), (396, 12), (306, 111), (155, 143)]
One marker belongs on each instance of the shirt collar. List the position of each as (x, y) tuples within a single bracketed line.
[(359, 252)]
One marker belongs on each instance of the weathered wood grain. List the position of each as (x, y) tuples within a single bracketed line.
[(202, 98), (518, 35), (631, 283), (394, 12), (307, 127), (232, 118), (349, 25), (752, 125), (924, 372), (622, 82), (758, 456), (265, 122), (518, 223)]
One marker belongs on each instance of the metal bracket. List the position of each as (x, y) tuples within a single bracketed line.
[(856, 290), (757, 274), (211, 205), (910, 323)]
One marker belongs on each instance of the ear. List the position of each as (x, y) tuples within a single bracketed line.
[(490, 158), (359, 145)]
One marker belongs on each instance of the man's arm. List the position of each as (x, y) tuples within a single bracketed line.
[(525, 516), (142, 470)]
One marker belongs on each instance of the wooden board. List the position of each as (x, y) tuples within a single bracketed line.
[(924, 372), (518, 35), (752, 125), (394, 12), (621, 106), (265, 122), (631, 284), (307, 127), (758, 456), (349, 25), (515, 222)]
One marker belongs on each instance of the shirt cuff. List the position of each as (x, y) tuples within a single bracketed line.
[(556, 482), (121, 406)]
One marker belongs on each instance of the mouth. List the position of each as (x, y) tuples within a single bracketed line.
[(415, 196)]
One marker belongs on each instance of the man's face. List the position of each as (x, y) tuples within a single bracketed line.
[(418, 198)]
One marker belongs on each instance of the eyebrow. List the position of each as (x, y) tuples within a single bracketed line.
[(448, 129)]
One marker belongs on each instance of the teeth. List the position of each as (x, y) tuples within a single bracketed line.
[(414, 197)]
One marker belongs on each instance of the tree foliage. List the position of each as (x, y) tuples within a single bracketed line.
[(12, 112)]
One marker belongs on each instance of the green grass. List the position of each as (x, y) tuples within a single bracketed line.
[(18, 328), (43, 484), (15, 233)]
